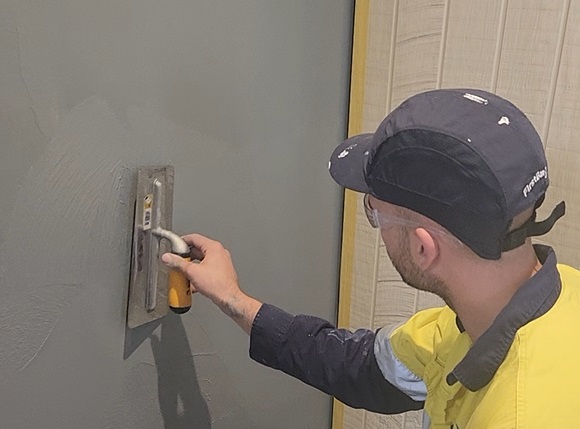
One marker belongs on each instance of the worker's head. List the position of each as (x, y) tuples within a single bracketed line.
[(465, 164)]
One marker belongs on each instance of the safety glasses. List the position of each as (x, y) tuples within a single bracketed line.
[(381, 220)]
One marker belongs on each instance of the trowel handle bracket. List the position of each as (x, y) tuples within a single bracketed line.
[(178, 245), (151, 221)]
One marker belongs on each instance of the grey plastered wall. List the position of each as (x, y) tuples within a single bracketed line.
[(246, 100)]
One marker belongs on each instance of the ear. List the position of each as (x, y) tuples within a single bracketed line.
[(425, 248)]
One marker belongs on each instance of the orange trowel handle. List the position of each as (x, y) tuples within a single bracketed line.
[(179, 294)]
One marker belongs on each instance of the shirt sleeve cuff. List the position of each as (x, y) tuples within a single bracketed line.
[(268, 335)]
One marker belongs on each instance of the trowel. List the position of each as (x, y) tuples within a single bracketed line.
[(153, 288)]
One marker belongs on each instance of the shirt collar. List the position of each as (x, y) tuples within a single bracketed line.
[(533, 299)]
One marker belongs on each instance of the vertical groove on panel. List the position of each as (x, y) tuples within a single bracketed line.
[(392, 55), (388, 102), (443, 46), (357, 84), (416, 302), (498, 45), (555, 70), (373, 297), (415, 309)]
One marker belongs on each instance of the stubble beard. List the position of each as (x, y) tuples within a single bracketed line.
[(412, 275)]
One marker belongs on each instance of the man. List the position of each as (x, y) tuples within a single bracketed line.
[(453, 179)]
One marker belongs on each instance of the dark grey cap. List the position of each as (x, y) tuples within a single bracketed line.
[(467, 159)]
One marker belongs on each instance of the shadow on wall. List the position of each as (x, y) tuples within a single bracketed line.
[(180, 400)]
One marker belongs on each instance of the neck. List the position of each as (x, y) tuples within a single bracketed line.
[(481, 289)]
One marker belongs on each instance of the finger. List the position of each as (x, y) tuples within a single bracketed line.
[(199, 241), (187, 268)]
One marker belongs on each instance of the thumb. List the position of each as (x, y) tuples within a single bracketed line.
[(175, 261)]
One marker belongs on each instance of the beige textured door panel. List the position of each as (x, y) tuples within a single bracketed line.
[(528, 51)]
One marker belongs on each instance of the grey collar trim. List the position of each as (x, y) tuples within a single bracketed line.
[(533, 299)]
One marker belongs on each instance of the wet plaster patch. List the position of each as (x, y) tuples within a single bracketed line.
[(65, 257)]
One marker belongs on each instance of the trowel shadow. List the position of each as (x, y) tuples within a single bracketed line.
[(181, 402)]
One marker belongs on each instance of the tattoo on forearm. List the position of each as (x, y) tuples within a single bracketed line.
[(232, 311), (239, 313)]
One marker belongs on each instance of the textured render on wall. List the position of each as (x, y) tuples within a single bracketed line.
[(527, 51), (246, 101)]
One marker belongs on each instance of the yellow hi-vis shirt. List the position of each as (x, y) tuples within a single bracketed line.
[(523, 372)]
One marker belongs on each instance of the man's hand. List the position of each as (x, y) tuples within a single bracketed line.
[(215, 277)]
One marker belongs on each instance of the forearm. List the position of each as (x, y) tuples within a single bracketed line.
[(242, 309), (335, 361)]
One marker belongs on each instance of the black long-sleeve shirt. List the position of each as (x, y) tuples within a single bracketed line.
[(338, 362)]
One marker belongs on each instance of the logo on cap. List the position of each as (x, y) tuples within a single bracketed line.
[(541, 174)]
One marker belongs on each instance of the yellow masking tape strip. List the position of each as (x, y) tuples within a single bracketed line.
[(355, 117)]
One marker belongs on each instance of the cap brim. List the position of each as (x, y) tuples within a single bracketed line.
[(349, 161)]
